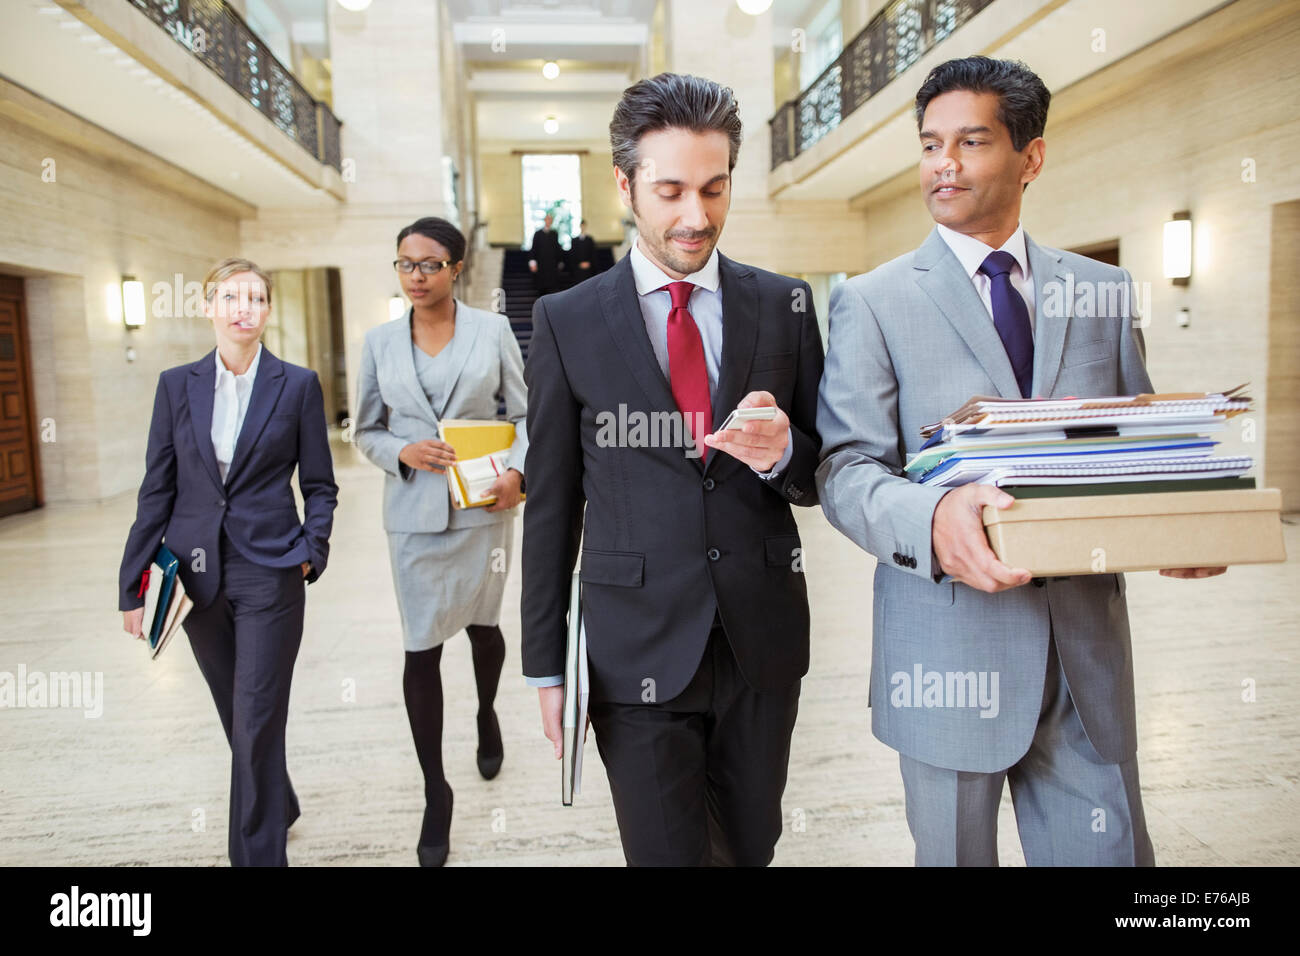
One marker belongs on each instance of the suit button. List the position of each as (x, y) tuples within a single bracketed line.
[(709, 484), (221, 503), (714, 554), (898, 558), (911, 562)]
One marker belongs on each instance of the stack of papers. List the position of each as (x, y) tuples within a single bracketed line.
[(1115, 439), (482, 451)]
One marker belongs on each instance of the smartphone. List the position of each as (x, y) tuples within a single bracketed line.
[(738, 416)]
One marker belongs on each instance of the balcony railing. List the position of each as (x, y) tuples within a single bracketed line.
[(216, 35), (895, 38)]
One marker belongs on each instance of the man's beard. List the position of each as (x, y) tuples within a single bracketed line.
[(667, 255)]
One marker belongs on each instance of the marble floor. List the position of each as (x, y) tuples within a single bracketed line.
[(145, 783)]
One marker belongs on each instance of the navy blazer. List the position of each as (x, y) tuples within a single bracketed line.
[(184, 502)]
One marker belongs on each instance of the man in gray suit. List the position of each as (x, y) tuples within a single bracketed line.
[(979, 676)]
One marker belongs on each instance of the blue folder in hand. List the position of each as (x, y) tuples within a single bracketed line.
[(172, 603)]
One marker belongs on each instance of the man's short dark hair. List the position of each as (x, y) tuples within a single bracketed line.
[(1022, 97), (671, 101)]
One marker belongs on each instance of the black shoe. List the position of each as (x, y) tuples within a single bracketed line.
[(491, 751), (428, 852)]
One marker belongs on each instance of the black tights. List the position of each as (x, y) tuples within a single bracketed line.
[(422, 688)]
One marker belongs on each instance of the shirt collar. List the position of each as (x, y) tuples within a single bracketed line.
[(650, 278), (971, 252), (249, 375)]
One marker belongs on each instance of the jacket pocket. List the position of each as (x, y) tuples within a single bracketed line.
[(782, 550), (772, 361), (1086, 352), (623, 569)]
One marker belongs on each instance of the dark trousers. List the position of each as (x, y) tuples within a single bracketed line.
[(698, 780), (246, 642)]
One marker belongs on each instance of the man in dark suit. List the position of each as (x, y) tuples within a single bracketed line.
[(582, 255), (546, 257), (694, 600)]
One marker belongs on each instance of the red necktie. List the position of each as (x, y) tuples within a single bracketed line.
[(688, 376)]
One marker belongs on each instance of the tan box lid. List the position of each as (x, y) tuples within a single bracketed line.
[(1141, 505)]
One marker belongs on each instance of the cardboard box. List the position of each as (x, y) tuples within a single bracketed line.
[(1142, 532)]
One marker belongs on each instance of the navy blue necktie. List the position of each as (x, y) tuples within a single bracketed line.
[(1011, 318)]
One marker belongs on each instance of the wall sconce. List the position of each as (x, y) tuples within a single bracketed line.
[(1178, 248), (133, 311), (396, 307)]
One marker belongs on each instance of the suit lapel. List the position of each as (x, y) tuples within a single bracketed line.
[(1049, 329), (266, 392), (401, 348), (739, 339), (621, 308), (199, 388), (462, 340), (943, 279)]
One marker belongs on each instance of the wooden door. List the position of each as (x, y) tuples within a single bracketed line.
[(19, 481)]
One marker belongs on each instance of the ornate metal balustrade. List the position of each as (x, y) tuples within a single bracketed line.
[(215, 34), (894, 39)]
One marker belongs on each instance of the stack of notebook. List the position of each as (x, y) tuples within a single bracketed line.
[(1111, 445)]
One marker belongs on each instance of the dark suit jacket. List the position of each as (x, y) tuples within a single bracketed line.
[(667, 539), (547, 252), (184, 502)]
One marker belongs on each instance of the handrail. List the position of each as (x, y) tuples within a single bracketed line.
[(216, 35), (893, 40)]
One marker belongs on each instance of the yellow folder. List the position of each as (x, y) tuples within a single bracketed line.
[(473, 439)]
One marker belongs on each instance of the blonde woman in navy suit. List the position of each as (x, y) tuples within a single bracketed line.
[(442, 359), (228, 433)]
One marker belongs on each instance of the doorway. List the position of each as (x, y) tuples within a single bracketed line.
[(19, 474), (552, 183)]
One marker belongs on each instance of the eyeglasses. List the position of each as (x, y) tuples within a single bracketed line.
[(426, 266)]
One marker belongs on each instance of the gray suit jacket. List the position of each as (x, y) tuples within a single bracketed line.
[(910, 342), (393, 411)]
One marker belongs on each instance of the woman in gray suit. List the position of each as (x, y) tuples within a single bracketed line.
[(442, 359)]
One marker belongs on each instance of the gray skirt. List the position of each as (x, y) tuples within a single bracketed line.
[(448, 580)]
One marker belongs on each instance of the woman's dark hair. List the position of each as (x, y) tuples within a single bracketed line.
[(441, 232), (1022, 97), (671, 101)]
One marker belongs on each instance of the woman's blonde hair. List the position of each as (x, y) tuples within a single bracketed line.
[(226, 268)]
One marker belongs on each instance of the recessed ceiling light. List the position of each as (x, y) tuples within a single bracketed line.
[(550, 69), (354, 5), (754, 7)]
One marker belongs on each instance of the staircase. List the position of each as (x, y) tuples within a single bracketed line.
[(517, 294)]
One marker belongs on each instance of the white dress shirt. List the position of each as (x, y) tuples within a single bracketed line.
[(705, 306), (971, 253), (229, 407)]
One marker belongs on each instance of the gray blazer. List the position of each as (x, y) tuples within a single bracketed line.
[(910, 342), (393, 411)]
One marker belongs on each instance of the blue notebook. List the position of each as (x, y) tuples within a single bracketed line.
[(172, 603)]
